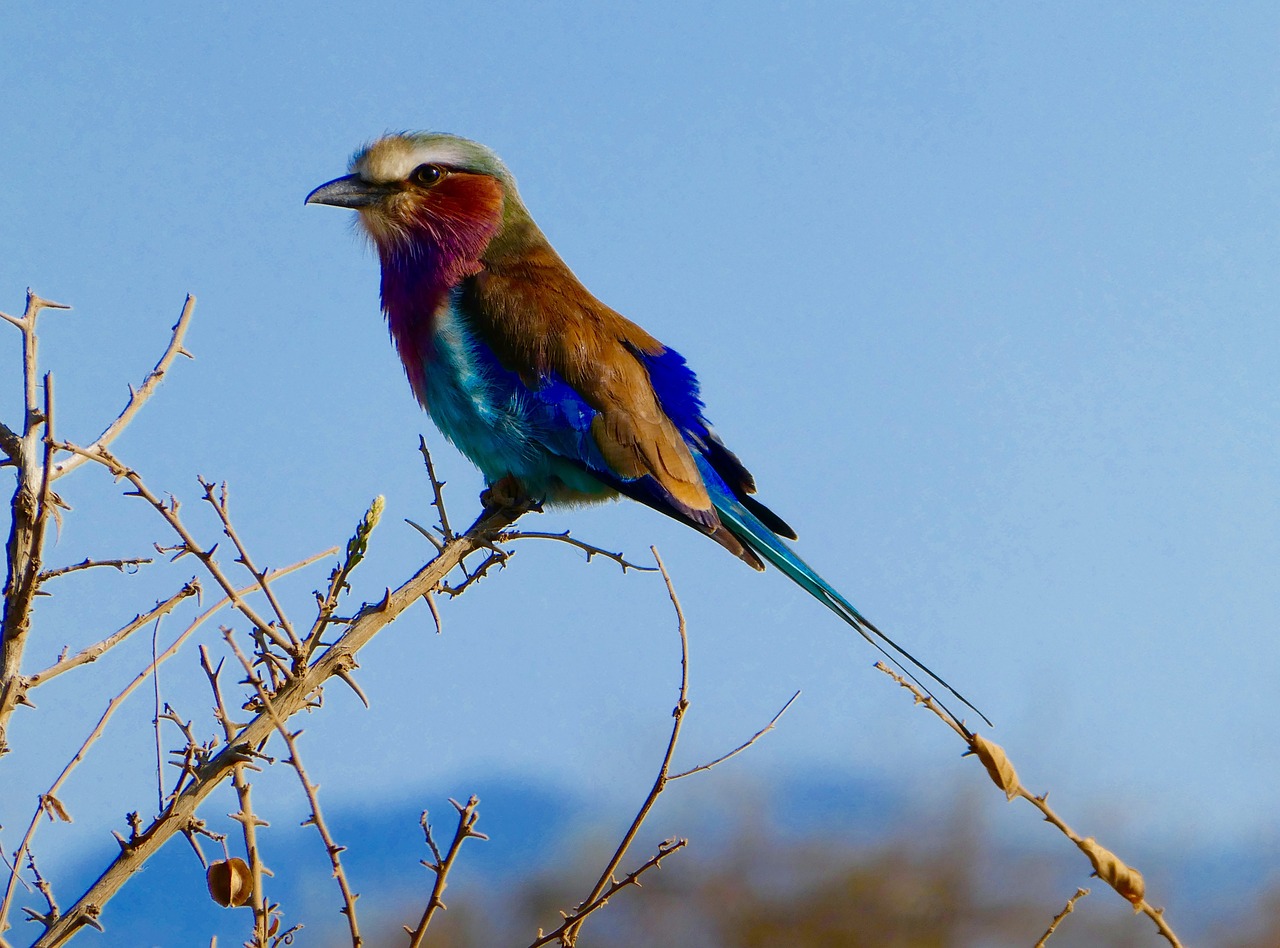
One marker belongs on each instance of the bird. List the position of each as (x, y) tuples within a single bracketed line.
[(553, 395)]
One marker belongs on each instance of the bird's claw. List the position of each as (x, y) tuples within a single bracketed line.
[(507, 493)]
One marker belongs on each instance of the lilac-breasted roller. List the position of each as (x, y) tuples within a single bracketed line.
[(546, 389)]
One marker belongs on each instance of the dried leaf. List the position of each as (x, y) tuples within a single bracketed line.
[(1112, 870), (230, 882), (998, 765), (54, 808)]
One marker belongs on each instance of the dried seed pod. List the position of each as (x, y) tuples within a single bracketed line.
[(1116, 873), (998, 765), (230, 882)]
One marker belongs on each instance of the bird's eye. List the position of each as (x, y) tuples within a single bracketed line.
[(426, 176)]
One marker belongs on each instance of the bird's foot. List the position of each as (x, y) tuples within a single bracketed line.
[(508, 493)]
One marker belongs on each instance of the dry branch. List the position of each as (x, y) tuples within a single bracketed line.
[(467, 817), (312, 792), (48, 801), (293, 695), (608, 883), (1057, 919), (137, 397), (1126, 880), (31, 508), (95, 651)]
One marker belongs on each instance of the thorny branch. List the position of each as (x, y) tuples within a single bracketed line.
[(94, 652), (588, 548), (32, 506), (248, 820), (1108, 867), (575, 919), (1057, 919), (437, 489), (169, 511), (218, 501), (316, 819), (467, 817), (48, 802), (123, 565), (137, 397), (293, 695), (608, 884)]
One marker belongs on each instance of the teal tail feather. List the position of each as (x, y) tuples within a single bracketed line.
[(748, 528)]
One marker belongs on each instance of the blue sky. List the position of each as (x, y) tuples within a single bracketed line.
[(983, 294)]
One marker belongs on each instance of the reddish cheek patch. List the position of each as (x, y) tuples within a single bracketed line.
[(469, 206)]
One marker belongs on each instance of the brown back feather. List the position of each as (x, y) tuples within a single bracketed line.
[(538, 318)]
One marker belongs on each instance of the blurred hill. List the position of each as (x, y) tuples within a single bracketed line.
[(820, 861)]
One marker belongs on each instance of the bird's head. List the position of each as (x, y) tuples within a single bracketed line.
[(427, 189)]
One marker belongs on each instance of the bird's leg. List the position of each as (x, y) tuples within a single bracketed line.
[(507, 493)]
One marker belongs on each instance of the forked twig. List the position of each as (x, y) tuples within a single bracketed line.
[(741, 747), (467, 817), (608, 884), (1057, 919), (138, 396)]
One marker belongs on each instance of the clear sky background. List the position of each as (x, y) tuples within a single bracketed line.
[(984, 294)]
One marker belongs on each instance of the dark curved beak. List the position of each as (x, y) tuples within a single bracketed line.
[(348, 191)]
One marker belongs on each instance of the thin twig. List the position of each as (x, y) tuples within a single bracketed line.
[(169, 511), (587, 548), (219, 504), (495, 558), (1057, 919), (248, 820), (310, 789), (45, 889), (741, 747), (138, 396), (1126, 880), (437, 488), (562, 934), (122, 565), (659, 784), (467, 817), (95, 651)]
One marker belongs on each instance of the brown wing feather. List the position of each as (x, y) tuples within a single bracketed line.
[(539, 318)]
